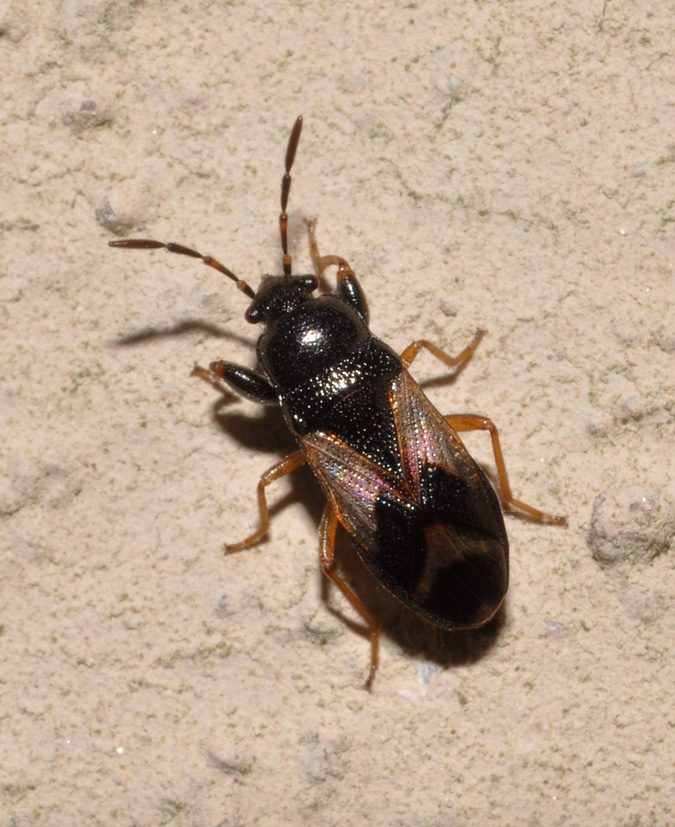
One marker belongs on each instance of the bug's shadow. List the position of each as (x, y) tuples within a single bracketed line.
[(263, 432), (184, 328), (415, 635)]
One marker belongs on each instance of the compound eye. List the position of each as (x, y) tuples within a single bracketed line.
[(309, 283), (253, 315)]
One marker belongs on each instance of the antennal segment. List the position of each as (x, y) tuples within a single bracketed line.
[(147, 244), (291, 149)]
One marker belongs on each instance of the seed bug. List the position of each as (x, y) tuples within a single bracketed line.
[(422, 514)]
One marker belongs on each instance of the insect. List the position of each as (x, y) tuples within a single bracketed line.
[(422, 514)]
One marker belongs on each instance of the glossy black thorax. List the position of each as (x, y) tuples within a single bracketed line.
[(332, 374)]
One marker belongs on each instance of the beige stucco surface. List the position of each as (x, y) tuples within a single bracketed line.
[(508, 166)]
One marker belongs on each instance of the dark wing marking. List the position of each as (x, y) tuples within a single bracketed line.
[(437, 468), (435, 537), (354, 484)]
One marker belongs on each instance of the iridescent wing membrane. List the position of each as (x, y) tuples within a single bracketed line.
[(434, 537)]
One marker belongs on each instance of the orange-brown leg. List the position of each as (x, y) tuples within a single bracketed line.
[(472, 422), (327, 531), (413, 349), (213, 375), (285, 466), (322, 262)]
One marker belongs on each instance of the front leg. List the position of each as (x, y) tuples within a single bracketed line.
[(254, 386), (348, 287), (245, 381)]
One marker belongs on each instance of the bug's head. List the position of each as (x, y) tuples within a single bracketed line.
[(278, 295)]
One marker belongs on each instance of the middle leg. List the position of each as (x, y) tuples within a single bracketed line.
[(285, 466), (413, 349)]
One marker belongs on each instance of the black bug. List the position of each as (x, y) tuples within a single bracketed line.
[(421, 512)]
